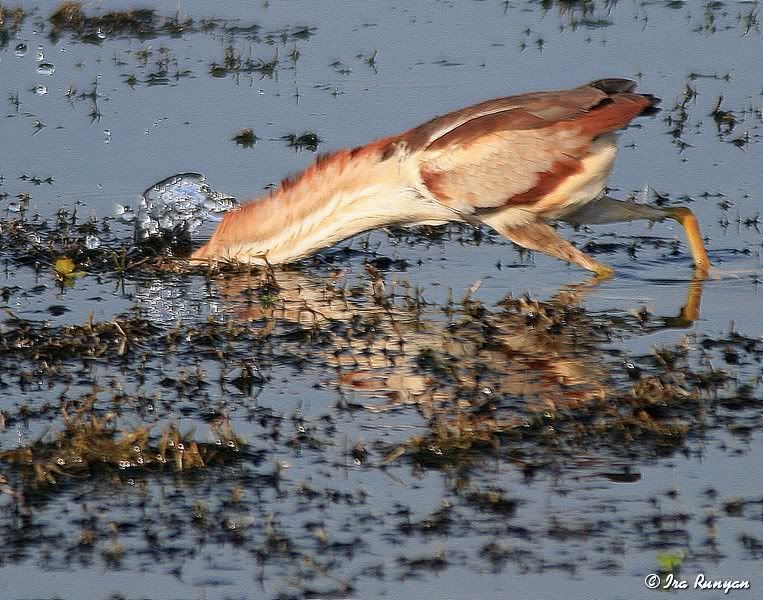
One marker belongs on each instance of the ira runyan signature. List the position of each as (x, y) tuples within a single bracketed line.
[(702, 583)]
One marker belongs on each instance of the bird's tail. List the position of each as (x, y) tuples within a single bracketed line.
[(614, 85)]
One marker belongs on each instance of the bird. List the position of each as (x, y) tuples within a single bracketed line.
[(517, 164)]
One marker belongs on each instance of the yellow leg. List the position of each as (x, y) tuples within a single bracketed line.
[(697, 246)]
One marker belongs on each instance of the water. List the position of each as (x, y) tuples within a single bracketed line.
[(622, 428)]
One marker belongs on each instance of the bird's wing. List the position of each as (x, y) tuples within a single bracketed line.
[(515, 150)]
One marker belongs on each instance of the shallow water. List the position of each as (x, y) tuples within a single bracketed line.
[(409, 423)]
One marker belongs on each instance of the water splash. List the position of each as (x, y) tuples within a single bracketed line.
[(176, 207), (92, 242)]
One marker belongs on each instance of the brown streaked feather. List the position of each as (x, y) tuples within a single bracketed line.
[(548, 181), (541, 104), (492, 168), (613, 114), (335, 163), (513, 151), (474, 129), (296, 198)]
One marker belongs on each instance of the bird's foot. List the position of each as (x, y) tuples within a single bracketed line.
[(689, 222)]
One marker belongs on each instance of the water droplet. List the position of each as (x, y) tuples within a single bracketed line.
[(100, 34), (181, 447), (61, 461), (136, 448), (40, 90), (107, 135), (92, 242), (46, 69), (123, 464), (40, 54), (21, 50)]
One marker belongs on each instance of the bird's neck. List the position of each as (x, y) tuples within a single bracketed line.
[(291, 225), (338, 197)]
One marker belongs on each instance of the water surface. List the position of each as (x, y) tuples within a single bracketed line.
[(414, 414)]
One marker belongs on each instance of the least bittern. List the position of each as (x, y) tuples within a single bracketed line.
[(516, 164)]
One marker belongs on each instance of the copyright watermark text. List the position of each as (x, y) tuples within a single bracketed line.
[(670, 582)]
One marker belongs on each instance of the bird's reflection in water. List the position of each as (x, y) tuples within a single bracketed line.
[(390, 349)]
